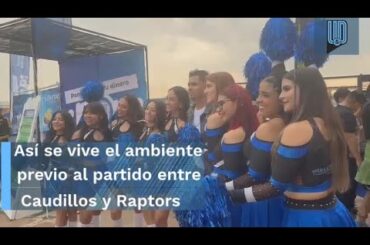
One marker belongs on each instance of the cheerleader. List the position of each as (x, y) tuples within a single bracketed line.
[(178, 131), (94, 129), (61, 128), (235, 109), (126, 128), (215, 126), (214, 212), (155, 120), (258, 149)]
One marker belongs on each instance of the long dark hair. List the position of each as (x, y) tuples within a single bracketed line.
[(314, 102), (69, 126), (246, 113), (275, 81), (183, 97), (98, 109), (135, 115), (160, 107)]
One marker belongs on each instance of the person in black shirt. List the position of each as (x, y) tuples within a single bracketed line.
[(346, 109), (340, 94)]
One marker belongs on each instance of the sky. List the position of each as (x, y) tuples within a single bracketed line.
[(178, 45)]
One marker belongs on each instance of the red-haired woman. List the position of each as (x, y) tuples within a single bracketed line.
[(235, 107)]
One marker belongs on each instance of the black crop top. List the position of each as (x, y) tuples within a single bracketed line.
[(303, 168), (213, 138), (259, 164), (89, 136), (115, 129), (234, 164), (310, 162), (259, 158), (173, 131)]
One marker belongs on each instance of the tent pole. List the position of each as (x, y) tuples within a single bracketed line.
[(35, 84), (147, 70), (34, 59), (10, 98)]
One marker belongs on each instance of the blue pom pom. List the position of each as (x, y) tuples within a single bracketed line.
[(189, 135), (92, 91), (256, 68), (215, 212), (311, 46), (278, 38)]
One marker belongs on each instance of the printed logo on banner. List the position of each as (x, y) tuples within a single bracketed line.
[(113, 86)]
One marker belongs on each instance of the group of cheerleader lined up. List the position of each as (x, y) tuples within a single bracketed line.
[(277, 164)]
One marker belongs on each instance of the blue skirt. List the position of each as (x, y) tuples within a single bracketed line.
[(255, 214), (266, 213), (87, 188), (276, 211), (54, 187), (337, 216)]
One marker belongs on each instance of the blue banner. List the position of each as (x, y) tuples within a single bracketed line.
[(121, 74), (21, 87), (50, 103)]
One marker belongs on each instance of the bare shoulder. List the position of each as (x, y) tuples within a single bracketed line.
[(297, 134), (76, 135), (234, 136), (98, 135), (214, 121), (270, 130)]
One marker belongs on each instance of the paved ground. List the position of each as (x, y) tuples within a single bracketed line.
[(44, 221)]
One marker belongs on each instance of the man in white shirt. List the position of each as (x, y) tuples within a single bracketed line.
[(196, 87)]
